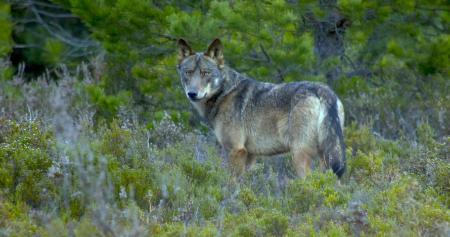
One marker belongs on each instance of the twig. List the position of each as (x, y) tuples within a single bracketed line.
[(55, 15), (24, 46), (350, 61), (269, 61), (49, 30)]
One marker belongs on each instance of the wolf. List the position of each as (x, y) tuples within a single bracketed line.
[(252, 118)]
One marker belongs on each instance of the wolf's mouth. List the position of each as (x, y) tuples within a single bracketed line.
[(198, 99)]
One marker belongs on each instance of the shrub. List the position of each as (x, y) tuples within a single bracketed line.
[(316, 190), (257, 222), (115, 142), (15, 219), (25, 158)]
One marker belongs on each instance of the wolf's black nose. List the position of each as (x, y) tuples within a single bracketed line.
[(192, 95)]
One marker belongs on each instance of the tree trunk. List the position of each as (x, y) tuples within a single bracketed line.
[(329, 36)]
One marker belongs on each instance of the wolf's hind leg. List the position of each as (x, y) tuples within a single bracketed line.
[(302, 162), (251, 160), (238, 159)]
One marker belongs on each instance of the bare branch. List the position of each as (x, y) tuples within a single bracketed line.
[(268, 59), (23, 46), (344, 56), (70, 41), (280, 76), (55, 15)]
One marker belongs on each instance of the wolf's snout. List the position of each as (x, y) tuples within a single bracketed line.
[(192, 95)]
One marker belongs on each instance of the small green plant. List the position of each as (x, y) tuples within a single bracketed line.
[(25, 158), (316, 190), (15, 220)]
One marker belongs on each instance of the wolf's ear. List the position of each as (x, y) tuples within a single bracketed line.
[(215, 51), (184, 50)]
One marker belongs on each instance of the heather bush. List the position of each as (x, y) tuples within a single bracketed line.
[(25, 157), (314, 191)]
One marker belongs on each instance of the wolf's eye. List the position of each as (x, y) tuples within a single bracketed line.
[(204, 73), (189, 72)]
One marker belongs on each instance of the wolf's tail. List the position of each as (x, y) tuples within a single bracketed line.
[(333, 146)]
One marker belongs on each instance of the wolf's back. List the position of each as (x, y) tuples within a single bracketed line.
[(331, 138)]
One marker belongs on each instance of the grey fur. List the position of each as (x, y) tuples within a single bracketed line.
[(252, 118)]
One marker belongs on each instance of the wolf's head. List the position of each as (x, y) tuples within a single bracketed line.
[(201, 73)]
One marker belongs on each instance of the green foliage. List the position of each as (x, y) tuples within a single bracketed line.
[(116, 141), (178, 229), (404, 195), (314, 191), (107, 105), (25, 160), (54, 51), (15, 220), (258, 221), (247, 197), (275, 224), (442, 183), (6, 71), (5, 40), (7, 27)]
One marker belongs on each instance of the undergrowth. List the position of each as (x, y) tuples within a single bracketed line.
[(63, 173)]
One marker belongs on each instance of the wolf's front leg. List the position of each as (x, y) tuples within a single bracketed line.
[(302, 162), (237, 159)]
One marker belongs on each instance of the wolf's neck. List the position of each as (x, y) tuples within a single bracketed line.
[(209, 109), (232, 78)]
